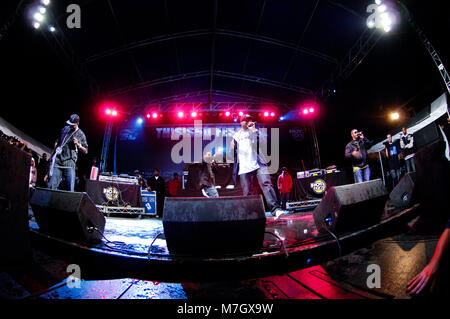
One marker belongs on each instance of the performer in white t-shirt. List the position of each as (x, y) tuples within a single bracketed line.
[(250, 164)]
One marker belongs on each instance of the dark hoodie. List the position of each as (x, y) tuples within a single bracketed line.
[(360, 145)]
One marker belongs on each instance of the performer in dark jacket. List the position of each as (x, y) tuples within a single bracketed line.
[(207, 176), (157, 184), (42, 171), (356, 150), (407, 145), (65, 154)]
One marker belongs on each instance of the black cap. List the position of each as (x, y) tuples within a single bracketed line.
[(246, 117), (74, 120)]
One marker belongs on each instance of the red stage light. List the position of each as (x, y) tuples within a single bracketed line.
[(241, 113), (266, 114), (272, 114), (194, 114), (311, 110), (108, 112), (305, 111), (180, 114), (114, 113), (227, 113), (155, 115), (147, 116)]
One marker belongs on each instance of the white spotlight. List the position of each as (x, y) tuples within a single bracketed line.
[(387, 29), (38, 17), (42, 9), (378, 2), (395, 116), (52, 28), (36, 25), (45, 2), (370, 24), (382, 8)]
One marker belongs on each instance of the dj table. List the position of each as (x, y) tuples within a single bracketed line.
[(113, 193), (314, 187)]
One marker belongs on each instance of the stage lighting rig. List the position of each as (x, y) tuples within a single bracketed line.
[(383, 15)]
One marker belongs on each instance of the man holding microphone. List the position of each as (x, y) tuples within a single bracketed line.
[(356, 150)]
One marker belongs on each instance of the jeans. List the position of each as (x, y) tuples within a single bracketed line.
[(284, 199), (395, 177), (59, 173), (264, 182), (410, 165), (362, 175), (210, 191)]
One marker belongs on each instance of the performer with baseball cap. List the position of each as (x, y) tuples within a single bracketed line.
[(251, 164), (65, 154)]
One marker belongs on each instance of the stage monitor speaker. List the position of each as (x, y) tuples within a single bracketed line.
[(14, 230), (351, 207), (402, 194), (432, 175), (68, 215), (214, 226)]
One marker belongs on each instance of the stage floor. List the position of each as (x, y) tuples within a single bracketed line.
[(135, 235), (400, 258), (121, 268)]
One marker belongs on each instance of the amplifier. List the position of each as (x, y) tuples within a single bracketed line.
[(303, 174), (118, 179), (316, 172), (303, 204)]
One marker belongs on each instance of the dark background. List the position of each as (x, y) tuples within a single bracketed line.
[(147, 151), (39, 90)]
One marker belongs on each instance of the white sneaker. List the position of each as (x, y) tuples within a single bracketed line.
[(278, 212)]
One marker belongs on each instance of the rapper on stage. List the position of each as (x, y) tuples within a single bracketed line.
[(251, 164), (65, 155), (356, 150), (407, 145)]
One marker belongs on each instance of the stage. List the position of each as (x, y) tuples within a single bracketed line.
[(296, 273), (136, 247)]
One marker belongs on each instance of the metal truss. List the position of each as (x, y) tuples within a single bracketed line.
[(201, 32), (237, 100), (352, 59), (180, 77), (257, 79), (10, 21), (58, 41), (431, 51), (121, 210), (105, 146)]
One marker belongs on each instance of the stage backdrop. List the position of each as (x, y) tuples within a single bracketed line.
[(144, 148)]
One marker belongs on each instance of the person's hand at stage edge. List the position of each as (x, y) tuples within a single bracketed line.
[(426, 278), (429, 275)]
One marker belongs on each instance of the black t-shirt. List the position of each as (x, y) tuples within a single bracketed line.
[(42, 168), (393, 150), (157, 184)]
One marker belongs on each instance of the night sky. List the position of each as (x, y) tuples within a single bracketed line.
[(39, 90)]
